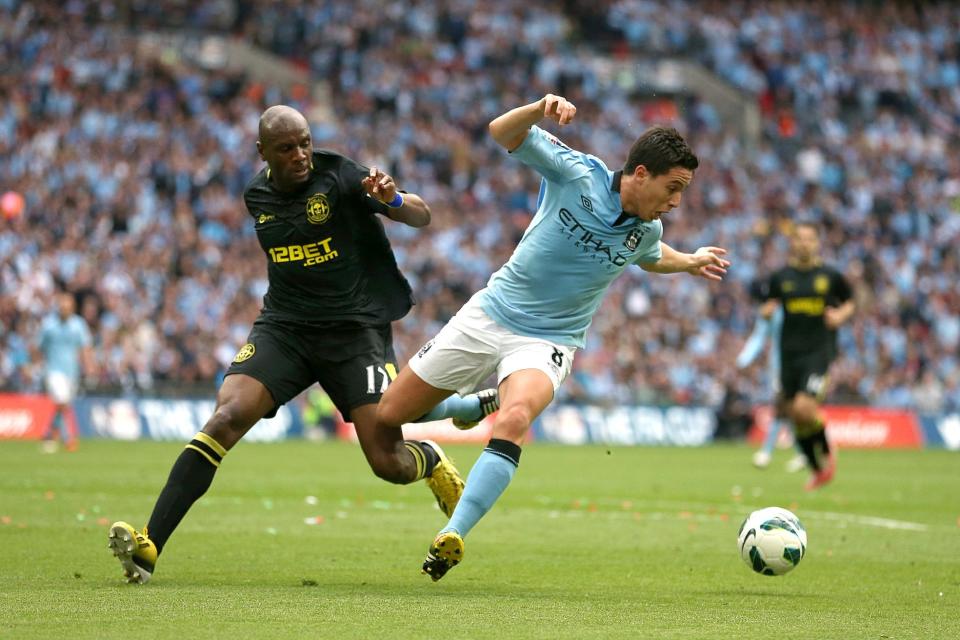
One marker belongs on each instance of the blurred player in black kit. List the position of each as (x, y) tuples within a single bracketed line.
[(816, 300), (334, 289)]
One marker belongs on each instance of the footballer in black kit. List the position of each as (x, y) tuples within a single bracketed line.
[(816, 300), (334, 288)]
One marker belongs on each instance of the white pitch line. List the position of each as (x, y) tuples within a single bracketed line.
[(872, 521), (695, 510)]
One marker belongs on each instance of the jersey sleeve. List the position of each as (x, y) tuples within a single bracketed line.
[(841, 287), (83, 333), (551, 158), (44, 335), (651, 251), (351, 176), (773, 288), (653, 254)]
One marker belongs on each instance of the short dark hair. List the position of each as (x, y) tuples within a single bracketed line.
[(660, 149), (809, 224)]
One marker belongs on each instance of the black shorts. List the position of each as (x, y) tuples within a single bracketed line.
[(353, 363), (804, 372)]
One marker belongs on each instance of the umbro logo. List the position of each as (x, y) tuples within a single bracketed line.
[(585, 201), (424, 349)]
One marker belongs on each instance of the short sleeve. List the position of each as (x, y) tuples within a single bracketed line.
[(652, 250), (773, 288), (83, 332), (551, 158), (351, 176), (841, 287), (44, 335), (653, 254)]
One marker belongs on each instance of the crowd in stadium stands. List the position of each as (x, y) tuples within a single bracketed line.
[(132, 169)]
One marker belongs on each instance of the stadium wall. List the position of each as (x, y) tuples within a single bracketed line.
[(27, 416)]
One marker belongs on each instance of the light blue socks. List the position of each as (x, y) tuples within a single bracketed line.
[(488, 479), (465, 408)]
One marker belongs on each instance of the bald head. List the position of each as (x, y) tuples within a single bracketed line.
[(285, 144), (279, 119)]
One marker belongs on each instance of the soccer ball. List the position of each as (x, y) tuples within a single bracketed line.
[(772, 541)]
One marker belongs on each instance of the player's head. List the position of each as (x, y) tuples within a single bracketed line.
[(66, 305), (285, 144), (805, 243), (659, 167)]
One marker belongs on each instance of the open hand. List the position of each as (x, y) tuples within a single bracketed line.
[(709, 263)]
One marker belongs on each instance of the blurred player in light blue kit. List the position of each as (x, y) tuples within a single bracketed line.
[(768, 330), (591, 224), (65, 345)]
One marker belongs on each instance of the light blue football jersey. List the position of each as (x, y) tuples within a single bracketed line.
[(556, 278), (61, 342)]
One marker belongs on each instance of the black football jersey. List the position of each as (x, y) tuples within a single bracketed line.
[(328, 257), (804, 294)]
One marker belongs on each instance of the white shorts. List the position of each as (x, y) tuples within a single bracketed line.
[(60, 387), (472, 346)]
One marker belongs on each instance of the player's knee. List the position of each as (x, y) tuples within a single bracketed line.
[(228, 424), (804, 410), (387, 467), (513, 422), (387, 412)]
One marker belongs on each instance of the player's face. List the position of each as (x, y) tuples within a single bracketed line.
[(288, 151), (656, 195), (65, 305), (805, 244)]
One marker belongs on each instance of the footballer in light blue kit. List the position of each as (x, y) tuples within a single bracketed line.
[(525, 325), (64, 341)]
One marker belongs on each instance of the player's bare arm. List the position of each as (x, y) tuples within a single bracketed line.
[(510, 129), (768, 307), (705, 262), (834, 317), (413, 211)]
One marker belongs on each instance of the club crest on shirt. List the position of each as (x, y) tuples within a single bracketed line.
[(318, 209), (821, 284), (633, 239)]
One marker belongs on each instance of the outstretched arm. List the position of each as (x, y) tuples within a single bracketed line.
[(408, 208), (706, 262), (510, 129)]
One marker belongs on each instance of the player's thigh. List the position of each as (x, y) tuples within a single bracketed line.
[(407, 399), (61, 388), (530, 372), (519, 353), (464, 354), (278, 357), (791, 380), (524, 394), (355, 366)]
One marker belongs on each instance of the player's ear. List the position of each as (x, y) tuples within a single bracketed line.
[(640, 172), (260, 150)]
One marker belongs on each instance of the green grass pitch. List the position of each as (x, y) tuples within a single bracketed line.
[(588, 542)]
